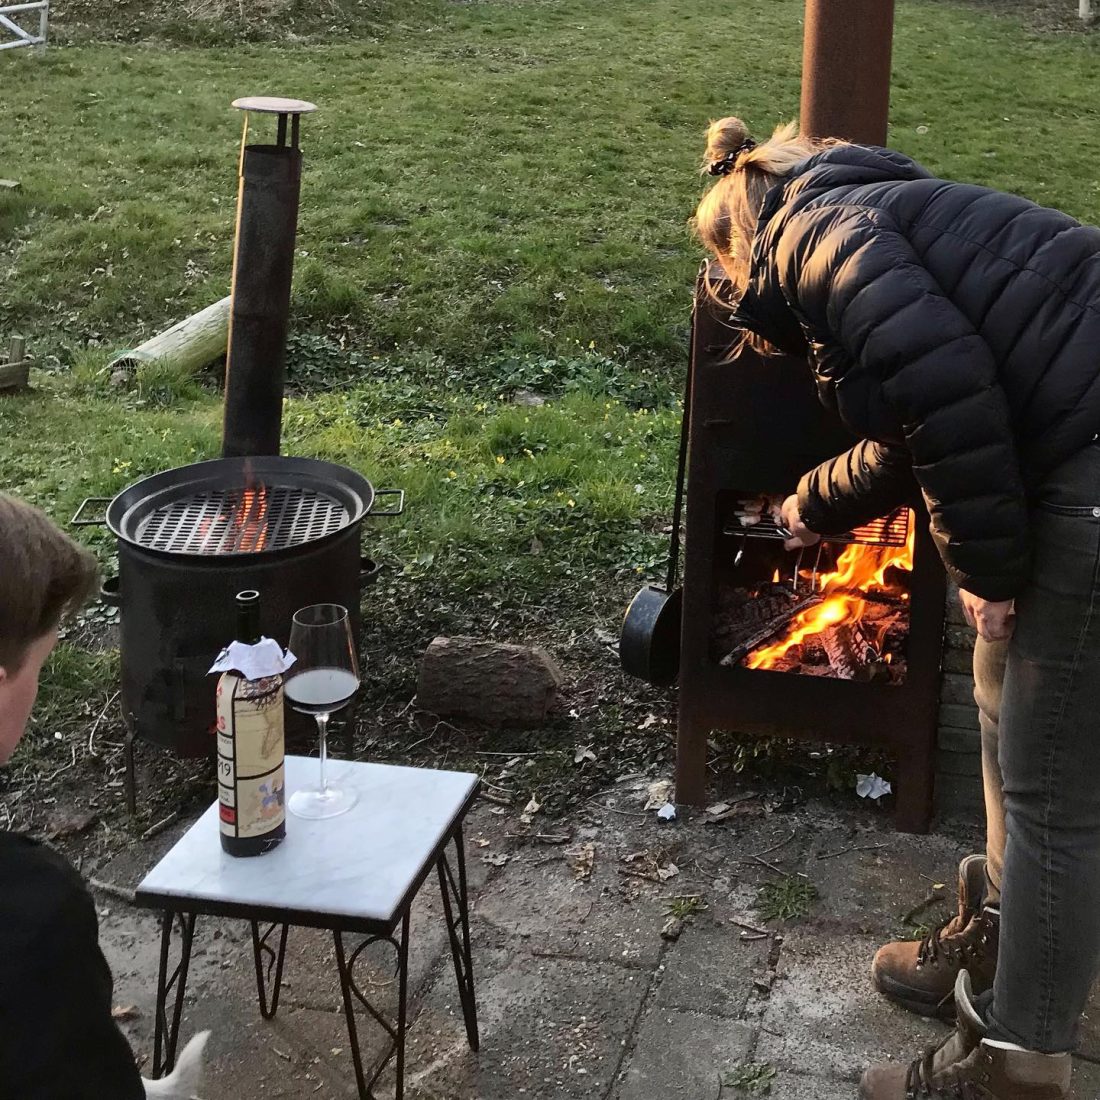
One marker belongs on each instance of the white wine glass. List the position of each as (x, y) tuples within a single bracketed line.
[(323, 679)]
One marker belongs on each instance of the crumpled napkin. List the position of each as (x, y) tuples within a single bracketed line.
[(872, 786), (254, 662)]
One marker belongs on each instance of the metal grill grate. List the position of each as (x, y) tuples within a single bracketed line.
[(241, 521), (891, 530)]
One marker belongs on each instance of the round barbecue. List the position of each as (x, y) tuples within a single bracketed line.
[(190, 538), (230, 506)]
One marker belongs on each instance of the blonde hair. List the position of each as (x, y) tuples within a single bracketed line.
[(726, 219)]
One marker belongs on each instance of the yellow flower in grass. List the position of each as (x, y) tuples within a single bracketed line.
[(500, 460)]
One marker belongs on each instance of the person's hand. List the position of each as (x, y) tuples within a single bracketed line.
[(994, 621), (801, 535)]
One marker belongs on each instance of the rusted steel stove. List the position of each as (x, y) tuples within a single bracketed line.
[(871, 676)]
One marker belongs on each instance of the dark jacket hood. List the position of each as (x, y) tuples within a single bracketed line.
[(762, 307)]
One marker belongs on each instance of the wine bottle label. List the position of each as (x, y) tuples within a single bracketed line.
[(250, 755)]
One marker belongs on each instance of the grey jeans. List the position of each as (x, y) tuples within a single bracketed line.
[(1040, 701)]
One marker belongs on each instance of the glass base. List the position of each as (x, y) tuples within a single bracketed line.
[(315, 803)]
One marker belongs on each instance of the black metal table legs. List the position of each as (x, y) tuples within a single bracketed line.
[(267, 989), (352, 993), (167, 1031), (456, 910)]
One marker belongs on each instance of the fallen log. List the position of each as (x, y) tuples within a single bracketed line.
[(490, 682), (190, 344)]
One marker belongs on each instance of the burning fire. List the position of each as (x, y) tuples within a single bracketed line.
[(860, 569), (250, 520)]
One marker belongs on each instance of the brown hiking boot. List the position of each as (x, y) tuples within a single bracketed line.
[(920, 974), (966, 1066)]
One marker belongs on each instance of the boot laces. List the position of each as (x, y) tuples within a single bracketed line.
[(948, 939), (918, 1082)]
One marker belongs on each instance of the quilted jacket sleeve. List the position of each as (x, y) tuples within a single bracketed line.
[(870, 480), (851, 277)]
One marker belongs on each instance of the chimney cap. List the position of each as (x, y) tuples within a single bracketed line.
[(274, 105)]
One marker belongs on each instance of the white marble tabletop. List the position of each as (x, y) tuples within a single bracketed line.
[(354, 871)]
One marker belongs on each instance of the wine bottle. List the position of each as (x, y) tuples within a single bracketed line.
[(251, 750)]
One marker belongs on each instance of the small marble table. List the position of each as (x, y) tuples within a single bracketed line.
[(353, 874)]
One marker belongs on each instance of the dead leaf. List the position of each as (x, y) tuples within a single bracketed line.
[(650, 720), (583, 753), (634, 856), (718, 808), (124, 1012), (482, 842), (665, 873), (658, 794), (582, 860), (498, 859), (497, 811), (530, 810)]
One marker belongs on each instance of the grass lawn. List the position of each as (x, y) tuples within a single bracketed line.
[(496, 198)]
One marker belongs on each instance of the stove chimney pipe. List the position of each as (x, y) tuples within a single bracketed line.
[(263, 261), (846, 69)]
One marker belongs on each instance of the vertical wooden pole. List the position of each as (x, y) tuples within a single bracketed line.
[(846, 69)]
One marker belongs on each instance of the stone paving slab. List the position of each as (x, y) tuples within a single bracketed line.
[(682, 1056), (549, 1028), (789, 1086), (824, 1018)]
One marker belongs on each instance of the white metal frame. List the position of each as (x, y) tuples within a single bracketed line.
[(22, 37)]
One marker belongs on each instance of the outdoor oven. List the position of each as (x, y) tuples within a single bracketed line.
[(841, 643)]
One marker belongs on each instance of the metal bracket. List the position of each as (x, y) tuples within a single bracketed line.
[(399, 493), (78, 519)]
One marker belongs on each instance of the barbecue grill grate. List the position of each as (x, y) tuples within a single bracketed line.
[(891, 530), (237, 521)]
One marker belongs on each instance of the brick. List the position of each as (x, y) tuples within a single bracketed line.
[(960, 741), (959, 716), (958, 763), (957, 689)]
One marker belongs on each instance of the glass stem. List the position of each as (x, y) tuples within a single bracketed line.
[(322, 729)]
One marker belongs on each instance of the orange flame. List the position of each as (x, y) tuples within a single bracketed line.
[(861, 568), (250, 519)]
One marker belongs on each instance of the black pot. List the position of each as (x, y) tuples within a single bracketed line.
[(649, 644)]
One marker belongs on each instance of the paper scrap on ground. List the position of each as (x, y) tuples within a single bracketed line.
[(254, 662), (667, 812), (872, 786)]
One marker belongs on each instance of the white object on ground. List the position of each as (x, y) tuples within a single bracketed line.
[(872, 786), (667, 812)]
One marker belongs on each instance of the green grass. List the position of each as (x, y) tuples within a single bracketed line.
[(495, 176), (790, 898), (496, 198)]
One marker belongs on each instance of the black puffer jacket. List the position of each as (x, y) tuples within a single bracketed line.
[(955, 328)]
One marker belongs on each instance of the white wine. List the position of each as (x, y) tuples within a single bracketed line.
[(251, 784), (321, 690)]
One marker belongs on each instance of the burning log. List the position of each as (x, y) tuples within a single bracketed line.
[(851, 655), (761, 620)]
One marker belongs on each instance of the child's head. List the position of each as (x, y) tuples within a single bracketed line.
[(43, 575)]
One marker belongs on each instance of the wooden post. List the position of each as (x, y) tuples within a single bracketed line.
[(15, 373)]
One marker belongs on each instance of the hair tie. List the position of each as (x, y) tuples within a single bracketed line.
[(725, 165)]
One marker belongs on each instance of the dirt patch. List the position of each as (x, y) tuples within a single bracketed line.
[(1044, 16)]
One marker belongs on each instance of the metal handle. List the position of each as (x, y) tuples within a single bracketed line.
[(78, 519), (110, 592), (368, 572), (399, 493)]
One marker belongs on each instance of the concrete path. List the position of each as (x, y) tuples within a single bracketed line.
[(579, 993)]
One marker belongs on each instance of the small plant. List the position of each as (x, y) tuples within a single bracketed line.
[(686, 906), (789, 899), (754, 1078)]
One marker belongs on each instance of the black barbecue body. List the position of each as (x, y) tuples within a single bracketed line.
[(178, 574)]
